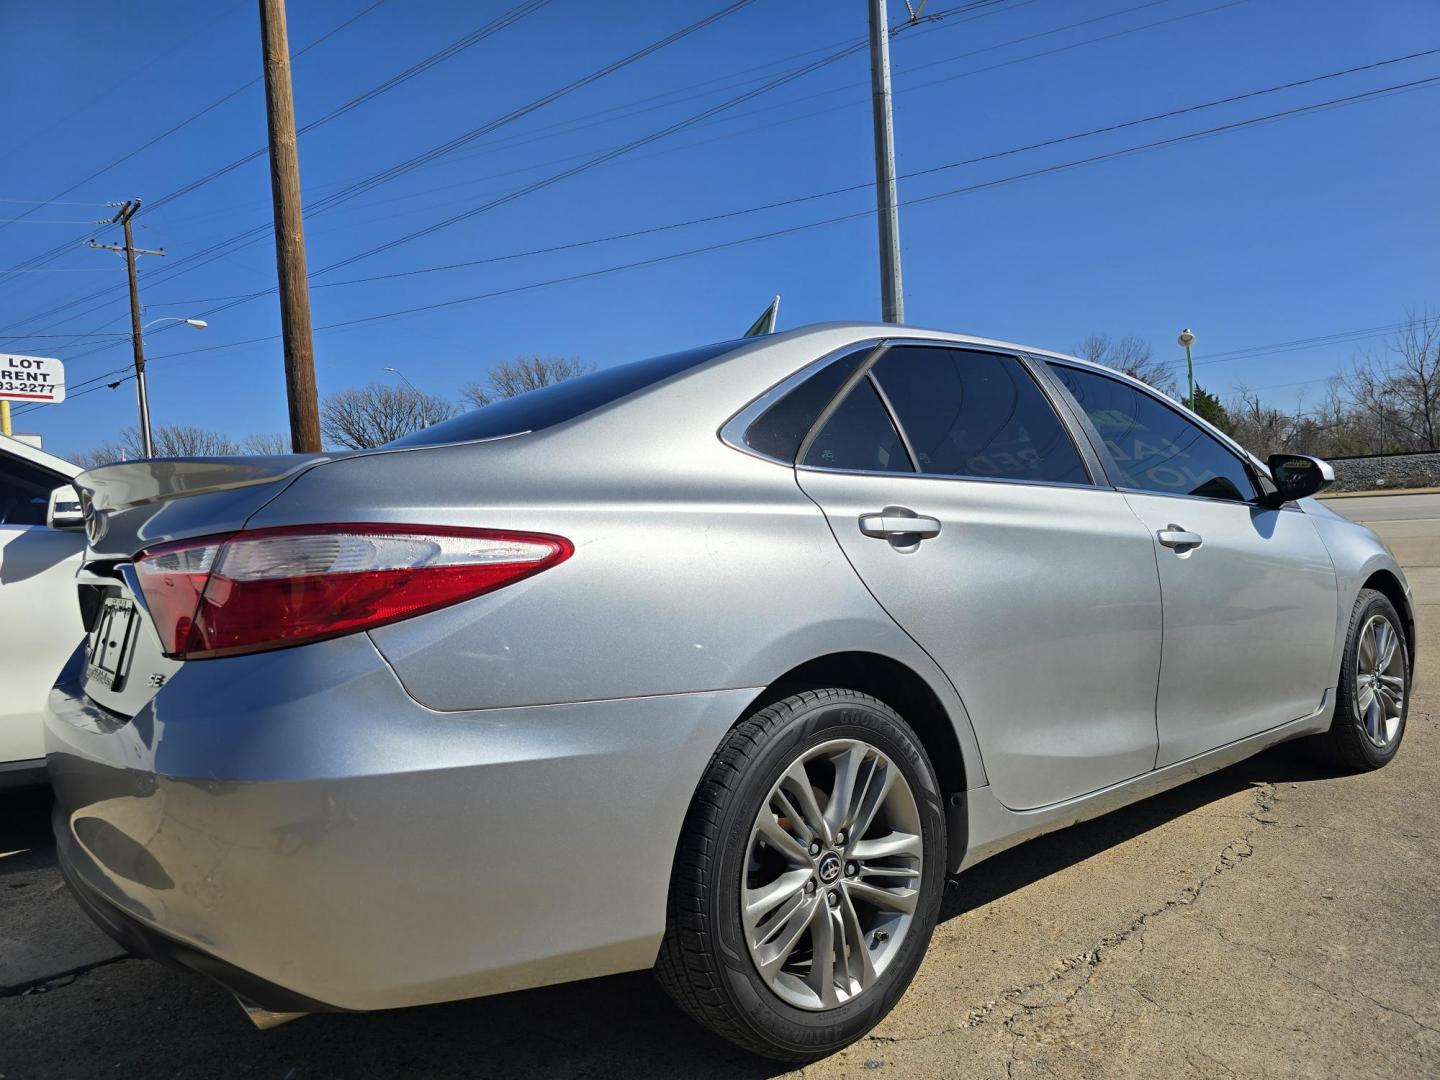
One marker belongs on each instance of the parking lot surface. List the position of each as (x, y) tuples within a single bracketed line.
[(1274, 919)]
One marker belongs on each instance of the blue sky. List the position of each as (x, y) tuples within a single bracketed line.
[(1321, 223)]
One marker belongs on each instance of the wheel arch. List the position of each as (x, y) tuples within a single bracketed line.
[(910, 695), (1388, 585)]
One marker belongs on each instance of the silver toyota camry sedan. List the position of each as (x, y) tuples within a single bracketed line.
[(717, 663)]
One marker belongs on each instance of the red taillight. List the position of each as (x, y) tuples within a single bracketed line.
[(270, 588)]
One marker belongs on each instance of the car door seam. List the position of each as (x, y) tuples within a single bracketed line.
[(971, 781)]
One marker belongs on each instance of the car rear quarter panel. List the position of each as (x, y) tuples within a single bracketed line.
[(696, 567)]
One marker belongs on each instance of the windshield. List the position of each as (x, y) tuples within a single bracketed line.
[(554, 404)]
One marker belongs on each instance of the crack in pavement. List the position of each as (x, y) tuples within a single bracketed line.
[(1280, 968), (1232, 855), (60, 979)]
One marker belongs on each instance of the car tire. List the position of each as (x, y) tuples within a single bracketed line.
[(711, 957), (1369, 722)]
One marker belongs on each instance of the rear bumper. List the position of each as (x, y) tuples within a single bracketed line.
[(295, 826), (143, 940)]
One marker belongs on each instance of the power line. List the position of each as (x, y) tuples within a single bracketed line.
[(680, 147), (133, 72), (1157, 144), (408, 166), (60, 249), (799, 199), (228, 245), (494, 26), (48, 202), (260, 231), (792, 230), (924, 200)]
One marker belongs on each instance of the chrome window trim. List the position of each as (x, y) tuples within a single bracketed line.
[(732, 432), (952, 478), (1249, 505)]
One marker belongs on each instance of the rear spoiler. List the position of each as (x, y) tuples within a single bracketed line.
[(129, 484)]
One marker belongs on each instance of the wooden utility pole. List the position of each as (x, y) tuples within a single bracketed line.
[(289, 232), (126, 211)]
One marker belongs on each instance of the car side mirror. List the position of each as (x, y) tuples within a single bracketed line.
[(1296, 476), (64, 510)]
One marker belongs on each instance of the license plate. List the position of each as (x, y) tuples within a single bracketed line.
[(111, 644)]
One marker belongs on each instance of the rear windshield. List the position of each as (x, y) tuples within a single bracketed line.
[(554, 404)]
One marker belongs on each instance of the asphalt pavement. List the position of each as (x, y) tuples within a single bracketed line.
[(1274, 919)]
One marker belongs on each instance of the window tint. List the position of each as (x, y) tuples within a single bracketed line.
[(25, 491), (558, 402), (859, 435), (977, 414), (1154, 446), (781, 429)]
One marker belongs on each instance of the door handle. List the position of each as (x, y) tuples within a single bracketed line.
[(898, 521), (1173, 536)]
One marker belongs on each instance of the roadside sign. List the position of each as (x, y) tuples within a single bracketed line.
[(31, 378)]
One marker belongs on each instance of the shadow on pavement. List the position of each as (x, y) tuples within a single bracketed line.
[(140, 1012)]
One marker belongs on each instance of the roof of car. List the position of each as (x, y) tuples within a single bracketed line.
[(26, 452)]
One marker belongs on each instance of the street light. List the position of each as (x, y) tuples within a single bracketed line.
[(407, 382), (198, 324), (1187, 339), (142, 394)]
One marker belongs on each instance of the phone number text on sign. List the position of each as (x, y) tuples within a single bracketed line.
[(32, 378)]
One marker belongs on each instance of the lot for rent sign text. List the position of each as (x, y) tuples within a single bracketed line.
[(31, 378)]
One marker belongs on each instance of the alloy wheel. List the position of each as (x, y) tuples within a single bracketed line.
[(833, 873), (1380, 681)]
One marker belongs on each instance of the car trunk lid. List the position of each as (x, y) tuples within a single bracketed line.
[(132, 505)]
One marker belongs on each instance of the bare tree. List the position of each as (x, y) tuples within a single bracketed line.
[(170, 440), (511, 378), (188, 440), (1131, 355), (1260, 428), (376, 414), (266, 442), (1401, 398)]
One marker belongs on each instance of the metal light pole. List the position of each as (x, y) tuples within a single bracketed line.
[(1187, 339), (136, 336), (407, 382), (892, 290)]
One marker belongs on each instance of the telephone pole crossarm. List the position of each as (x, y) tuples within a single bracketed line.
[(127, 210)]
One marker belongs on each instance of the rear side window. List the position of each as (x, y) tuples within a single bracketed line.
[(781, 429), (25, 491), (859, 436), (559, 402), (1154, 447), (976, 414)]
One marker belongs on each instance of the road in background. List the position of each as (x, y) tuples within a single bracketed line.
[(1277, 918)]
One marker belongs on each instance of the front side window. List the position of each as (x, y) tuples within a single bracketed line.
[(977, 414), (25, 491), (1154, 447)]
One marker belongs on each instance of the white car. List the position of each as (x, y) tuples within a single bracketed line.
[(39, 617)]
